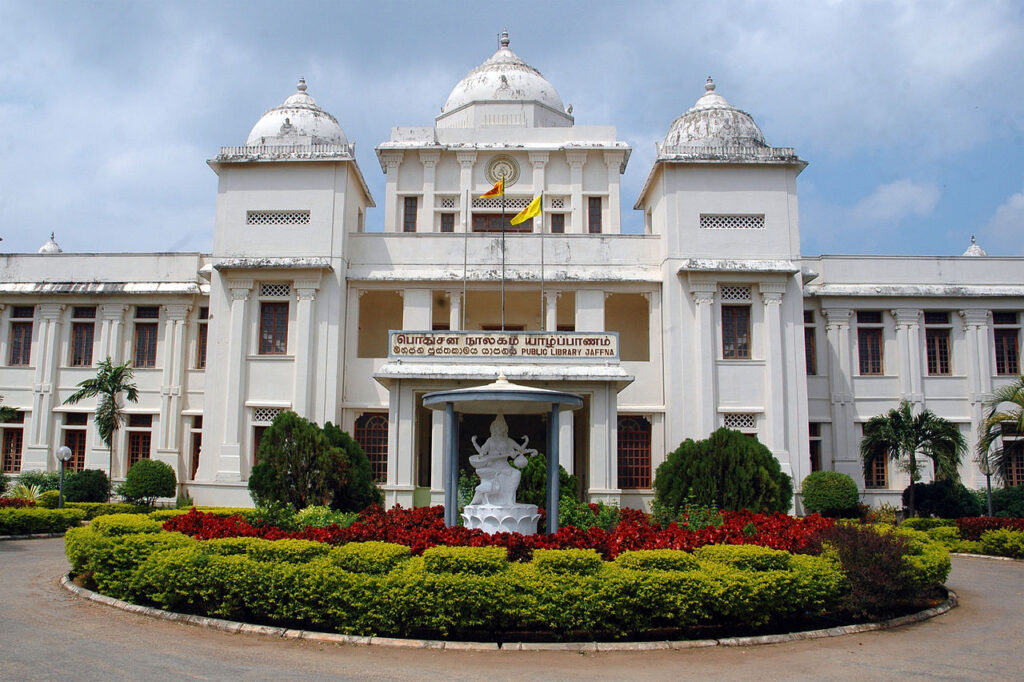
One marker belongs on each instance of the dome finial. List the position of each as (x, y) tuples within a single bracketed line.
[(709, 85), (504, 39), (974, 249), (301, 87)]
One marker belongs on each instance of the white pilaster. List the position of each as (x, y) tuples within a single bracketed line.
[(908, 342), (703, 294), (775, 436), (429, 160), (454, 310), (230, 465), (576, 159), (539, 160), (551, 310), (391, 160), (466, 160), (613, 160), (844, 446), (305, 314)]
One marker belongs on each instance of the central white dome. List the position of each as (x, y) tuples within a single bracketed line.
[(503, 77), (299, 120)]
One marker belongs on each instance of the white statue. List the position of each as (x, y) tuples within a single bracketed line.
[(499, 480)]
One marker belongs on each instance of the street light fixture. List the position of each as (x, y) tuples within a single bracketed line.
[(64, 454)]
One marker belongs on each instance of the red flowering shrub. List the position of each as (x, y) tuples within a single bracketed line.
[(16, 502), (422, 528), (971, 528)]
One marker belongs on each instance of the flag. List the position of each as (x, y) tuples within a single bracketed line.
[(497, 190), (529, 212)]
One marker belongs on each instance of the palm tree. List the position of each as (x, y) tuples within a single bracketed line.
[(901, 435), (1003, 416), (109, 383)]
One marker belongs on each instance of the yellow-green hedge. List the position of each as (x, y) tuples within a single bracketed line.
[(162, 515), (28, 520), (1003, 542)]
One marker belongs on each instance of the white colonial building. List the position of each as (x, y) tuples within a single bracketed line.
[(711, 317)]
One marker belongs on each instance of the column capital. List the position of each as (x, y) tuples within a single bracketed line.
[(772, 287), (240, 289), (703, 292), (113, 311), (454, 295), (552, 296), (51, 311), (614, 160), (837, 317), (177, 312), (539, 159), (430, 157), (576, 159), (906, 317), (975, 317), (391, 160), (467, 158)]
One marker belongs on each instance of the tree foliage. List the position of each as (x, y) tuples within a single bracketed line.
[(534, 481), (298, 466), (88, 485), (7, 413), (901, 436), (147, 480), (728, 470), (1003, 416), (357, 491), (943, 499)]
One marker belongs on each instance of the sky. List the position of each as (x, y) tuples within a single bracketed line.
[(910, 114)]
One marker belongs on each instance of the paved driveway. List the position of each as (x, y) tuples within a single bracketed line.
[(47, 634)]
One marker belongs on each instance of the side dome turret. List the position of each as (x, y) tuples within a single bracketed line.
[(298, 120), (51, 247), (713, 122)]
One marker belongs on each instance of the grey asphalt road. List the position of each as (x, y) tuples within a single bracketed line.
[(47, 633)]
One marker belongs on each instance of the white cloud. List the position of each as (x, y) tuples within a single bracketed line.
[(894, 201), (1003, 235)]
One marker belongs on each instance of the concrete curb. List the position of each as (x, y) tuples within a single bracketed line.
[(580, 647), (983, 556), (31, 536)]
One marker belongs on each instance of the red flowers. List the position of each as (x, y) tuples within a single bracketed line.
[(972, 528), (16, 502), (424, 527)]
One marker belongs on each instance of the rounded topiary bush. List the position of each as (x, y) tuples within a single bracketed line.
[(831, 494), (147, 480), (89, 485), (726, 470)]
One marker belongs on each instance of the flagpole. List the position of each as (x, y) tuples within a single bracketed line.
[(502, 252)]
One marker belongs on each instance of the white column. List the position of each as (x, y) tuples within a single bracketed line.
[(391, 161), (174, 358), (111, 322), (45, 353), (4, 357), (230, 466), (417, 309), (566, 449), (703, 294), (305, 372), (466, 161), (454, 311), (979, 376), (429, 160), (908, 342), (844, 446), (551, 311), (614, 162), (576, 160), (437, 456), (775, 408), (539, 160), (590, 310)]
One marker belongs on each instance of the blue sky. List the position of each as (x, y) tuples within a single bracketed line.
[(911, 114)]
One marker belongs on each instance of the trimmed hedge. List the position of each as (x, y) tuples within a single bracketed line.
[(164, 514), (27, 520), (124, 524), (567, 561), (925, 523), (746, 557), (94, 509), (445, 592), (1003, 542), (657, 560)]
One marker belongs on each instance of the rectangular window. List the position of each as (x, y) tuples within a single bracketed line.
[(634, 453), (814, 431), (372, 434), (147, 312), (557, 223), (138, 446), (810, 343), (937, 350), (447, 222), (75, 439), (145, 344), (869, 348), (201, 330), (594, 215), (273, 327), (13, 439), (1015, 468), (81, 343), (197, 443), (736, 332), (1004, 318), (1007, 343), (84, 312), (23, 312), (876, 475), (409, 215), (21, 343)]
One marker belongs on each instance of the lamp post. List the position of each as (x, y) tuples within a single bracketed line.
[(64, 454)]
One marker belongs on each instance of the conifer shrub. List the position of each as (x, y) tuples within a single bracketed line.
[(88, 485), (357, 490), (830, 494), (147, 480), (728, 470)]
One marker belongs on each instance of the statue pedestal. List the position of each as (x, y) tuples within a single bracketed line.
[(508, 518)]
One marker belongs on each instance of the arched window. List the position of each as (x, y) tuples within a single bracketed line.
[(634, 453), (372, 435)]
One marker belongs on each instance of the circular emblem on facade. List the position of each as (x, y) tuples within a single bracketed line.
[(503, 165)]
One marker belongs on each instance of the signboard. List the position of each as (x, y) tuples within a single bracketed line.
[(504, 346)]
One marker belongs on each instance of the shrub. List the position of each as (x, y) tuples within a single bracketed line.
[(274, 515), (5, 483), (94, 509), (49, 499), (972, 528), (1008, 502), (322, 517), (830, 494), (657, 560), (357, 491), (534, 480), (113, 525), (115, 560), (88, 485), (16, 502), (586, 516), (944, 499), (745, 557), (26, 491), (925, 523), (29, 520), (466, 486), (287, 551), (42, 480), (369, 557), (298, 466), (570, 561), (475, 560), (147, 480), (1003, 542), (727, 469)]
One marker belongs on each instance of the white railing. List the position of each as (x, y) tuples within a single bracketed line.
[(729, 151), (287, 151)]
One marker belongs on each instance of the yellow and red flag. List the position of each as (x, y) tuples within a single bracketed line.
[(530, 211), (496, 191)]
